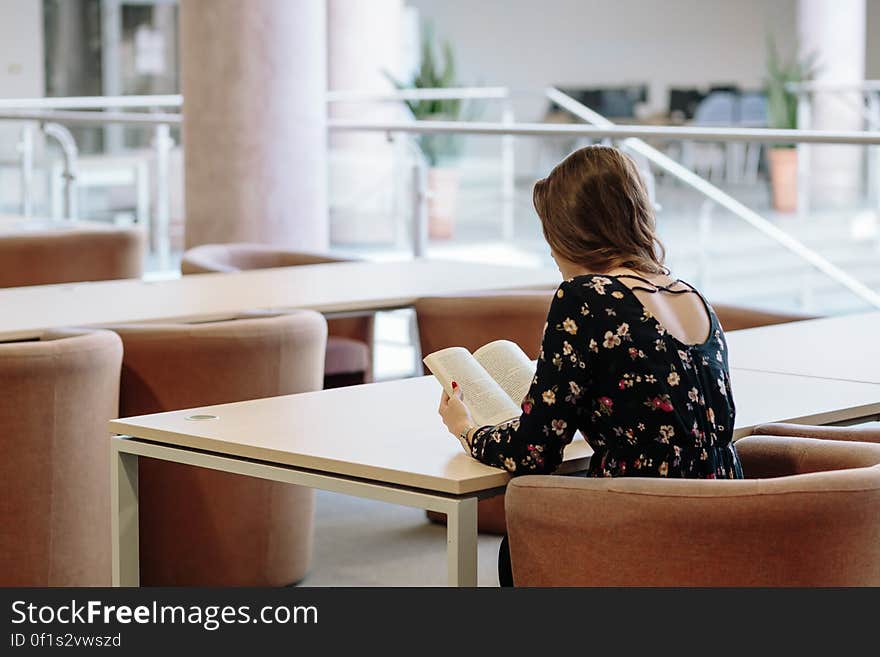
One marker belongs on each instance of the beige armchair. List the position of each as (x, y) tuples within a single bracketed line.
[(810, 518), (202, 527), (349, 359), (471, 321), (58, 393), (42, 257)]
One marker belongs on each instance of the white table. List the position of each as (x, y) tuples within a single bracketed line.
[(845, 347), (762, 397), (385, 441), (19, 225), (25, 312), (380, 441)]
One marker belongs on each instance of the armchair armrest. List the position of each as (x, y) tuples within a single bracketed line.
[(771, 456), (865, 434)]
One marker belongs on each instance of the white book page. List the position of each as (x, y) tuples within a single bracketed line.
[(486, 400), (509, 366)]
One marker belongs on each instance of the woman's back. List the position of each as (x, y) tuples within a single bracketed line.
[(660, 400), (676, 305), (648, 402)]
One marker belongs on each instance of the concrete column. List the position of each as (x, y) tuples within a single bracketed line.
[(364, 41), (835, 31), (253, 76)]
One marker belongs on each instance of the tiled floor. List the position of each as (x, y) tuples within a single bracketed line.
[(365, 543)]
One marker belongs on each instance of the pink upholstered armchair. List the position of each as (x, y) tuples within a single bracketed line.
[(349, 359), (58, 393), (41, 257), (807, 515)]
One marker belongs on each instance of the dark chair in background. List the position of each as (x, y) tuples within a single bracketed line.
[(611, 102), (683, 102)]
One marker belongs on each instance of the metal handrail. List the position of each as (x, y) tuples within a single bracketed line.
[(92, 118), (613, 132), (602, 129), (450, 93), (70, 153), (176, 100), (824, 85), (92, 102), (726, 201), (460, 93)]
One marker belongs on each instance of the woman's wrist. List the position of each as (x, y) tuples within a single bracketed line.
[(465, 430), (465, 436)]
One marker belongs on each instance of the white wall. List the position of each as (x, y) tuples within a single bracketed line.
[(21, 54), (529, 44), (21, 72), (872, 45)]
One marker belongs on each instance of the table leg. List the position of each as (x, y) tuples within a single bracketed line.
[(461, 542), (124, 520)]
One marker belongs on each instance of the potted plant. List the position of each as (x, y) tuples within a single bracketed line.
[(440, 150), (782, 114)]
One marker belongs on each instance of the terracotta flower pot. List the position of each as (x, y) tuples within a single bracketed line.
[(783, 178), (443, 185)]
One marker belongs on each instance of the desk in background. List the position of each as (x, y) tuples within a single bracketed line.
[(845, 347), (327, 288)]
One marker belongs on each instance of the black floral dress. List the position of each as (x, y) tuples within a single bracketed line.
[(648, 404)]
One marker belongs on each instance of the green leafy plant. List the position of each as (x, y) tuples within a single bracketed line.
[(781, 102), (436, 147)]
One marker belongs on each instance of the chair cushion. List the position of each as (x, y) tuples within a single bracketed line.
[(345, 355)]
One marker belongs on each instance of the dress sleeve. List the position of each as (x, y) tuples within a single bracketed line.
[(533, 442)]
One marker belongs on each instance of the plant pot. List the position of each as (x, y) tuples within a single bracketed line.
[(443, 183), (783, 178)]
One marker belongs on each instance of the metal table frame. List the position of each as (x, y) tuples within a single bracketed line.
[(460, 510)]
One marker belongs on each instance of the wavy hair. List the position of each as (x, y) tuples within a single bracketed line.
[(595, 212)]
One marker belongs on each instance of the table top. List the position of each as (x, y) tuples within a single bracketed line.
[(843, 347), (336, 287), (388, 432), (21, 225), (762, 397), (391, 433)]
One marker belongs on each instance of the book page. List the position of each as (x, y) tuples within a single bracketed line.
[(509, 366), (486, 400)]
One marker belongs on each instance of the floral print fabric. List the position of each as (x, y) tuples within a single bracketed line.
[(648, 404)]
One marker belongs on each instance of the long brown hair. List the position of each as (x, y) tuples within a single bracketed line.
[(595, 212)]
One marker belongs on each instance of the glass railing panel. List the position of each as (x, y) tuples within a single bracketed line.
[(735, 262), (119, 186)]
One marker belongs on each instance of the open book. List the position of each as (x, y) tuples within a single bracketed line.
[(494, 379)]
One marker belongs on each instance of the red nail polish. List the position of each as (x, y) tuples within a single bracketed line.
[(454, 385)]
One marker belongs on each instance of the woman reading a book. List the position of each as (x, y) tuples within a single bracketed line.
[(631, 357)]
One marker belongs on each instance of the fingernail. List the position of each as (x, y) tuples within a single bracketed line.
[(454, 385)]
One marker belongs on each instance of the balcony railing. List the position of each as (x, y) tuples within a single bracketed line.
[(70, 111)]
